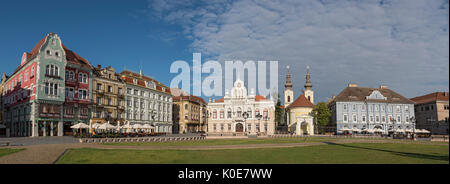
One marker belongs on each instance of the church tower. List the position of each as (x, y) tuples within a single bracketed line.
[(288, 92), (309, 93)]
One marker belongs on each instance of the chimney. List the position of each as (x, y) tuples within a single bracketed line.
[(445, 93), (214, 100), (99, 66), (209, 100), (383, 87), (352, 85)]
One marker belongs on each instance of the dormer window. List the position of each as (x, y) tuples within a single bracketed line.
[(49, 52), (135, 81), (57, 54)]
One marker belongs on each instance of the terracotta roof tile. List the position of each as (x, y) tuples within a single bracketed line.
[(436, 96), (301, 101), (360, 93)]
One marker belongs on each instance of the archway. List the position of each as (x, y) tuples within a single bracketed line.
[(239, 127), (304, 128)]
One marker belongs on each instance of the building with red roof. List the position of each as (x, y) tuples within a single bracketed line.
[(240, 113), (432, 111), (148, 101), (299, 111), (49, 91), (189, 112)]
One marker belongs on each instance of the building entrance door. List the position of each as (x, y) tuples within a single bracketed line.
[(239, 127)]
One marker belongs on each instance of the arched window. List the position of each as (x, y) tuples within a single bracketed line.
[(289, 99), (222, 115), (266, 113), (214, 114), (239, 111), (229, 113)]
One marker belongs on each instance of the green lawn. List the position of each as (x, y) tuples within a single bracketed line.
[(209, 142), (357, 153), (226, 142), (7, 151)]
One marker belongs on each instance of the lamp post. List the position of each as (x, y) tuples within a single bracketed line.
[(413, 121), (245, 116)]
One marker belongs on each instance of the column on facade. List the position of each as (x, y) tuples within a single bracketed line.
[(51, 128), (60, 128), (45, 129)]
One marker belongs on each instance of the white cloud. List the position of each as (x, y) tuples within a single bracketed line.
[(403, 44)]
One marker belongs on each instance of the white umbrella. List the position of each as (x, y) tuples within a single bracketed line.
[(147, 126), (408, 130), (95, 125), (400, 130), (79, 126), (345, 129), (378, 130), (106, 126), (425, 131), (354, 129), (137, 126), (370, 130)]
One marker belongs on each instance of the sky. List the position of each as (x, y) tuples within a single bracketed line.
[(403, 44)]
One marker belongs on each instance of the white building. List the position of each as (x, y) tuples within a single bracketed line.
[(227, 116), (147, 102)]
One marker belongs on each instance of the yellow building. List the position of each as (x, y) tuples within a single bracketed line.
[(189, 112), (299, 112), (108, 96), (2, 123)]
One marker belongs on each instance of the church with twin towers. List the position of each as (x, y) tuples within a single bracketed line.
[(298, 111)]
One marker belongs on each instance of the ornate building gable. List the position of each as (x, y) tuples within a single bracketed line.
[(376, 95)]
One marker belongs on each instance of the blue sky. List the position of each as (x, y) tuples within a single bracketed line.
[(402, 44)]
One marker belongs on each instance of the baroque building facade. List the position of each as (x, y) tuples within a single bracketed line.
[(432, 112), (299, 118), (226, 115), (108, 97), (189, 112), (34, 95), (147, 102), (365, 108)]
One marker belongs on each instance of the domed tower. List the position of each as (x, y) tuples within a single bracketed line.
[(288, 92), (309, 93)]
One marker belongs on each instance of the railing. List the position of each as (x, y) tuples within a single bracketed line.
[(140, 139)]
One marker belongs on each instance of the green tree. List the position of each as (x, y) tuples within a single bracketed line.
[(322, 114), (279, 112)]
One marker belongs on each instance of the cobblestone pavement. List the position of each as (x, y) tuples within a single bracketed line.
[(50, 153)]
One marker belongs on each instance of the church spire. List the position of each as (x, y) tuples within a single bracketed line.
[(308, 84), (288, 84)]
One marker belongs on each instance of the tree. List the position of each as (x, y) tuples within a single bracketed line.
[(279, 112), (322, 114)]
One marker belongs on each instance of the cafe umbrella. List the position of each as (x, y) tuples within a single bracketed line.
[(80, 126)]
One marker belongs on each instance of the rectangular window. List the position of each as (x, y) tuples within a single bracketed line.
[(354, 118), (363, 118), (383, 119), (345, 118)]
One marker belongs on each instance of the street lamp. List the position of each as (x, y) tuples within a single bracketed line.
[(259, 116), (413, 121), (245, 116)]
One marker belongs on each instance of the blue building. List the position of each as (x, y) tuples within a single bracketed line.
[(372, 110)]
